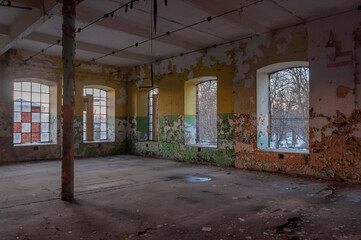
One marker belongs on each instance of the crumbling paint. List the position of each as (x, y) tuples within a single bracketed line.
[(262, 131), (335, 127), (190, 130), (342, 91), (49, 68), (122, 96)]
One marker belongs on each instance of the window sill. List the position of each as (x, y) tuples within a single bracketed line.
[(99, 141), (33, 144), (201, 145), (302, 151)]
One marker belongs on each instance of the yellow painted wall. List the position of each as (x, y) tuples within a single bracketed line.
[(95, 74), (173, 90), (190, 92)]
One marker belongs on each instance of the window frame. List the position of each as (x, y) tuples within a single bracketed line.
[(101, 89), (151, 93), (263, 105), (190, 111), (51, 112), (198, 141)]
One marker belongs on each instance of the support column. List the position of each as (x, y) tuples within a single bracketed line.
[(67, 174)]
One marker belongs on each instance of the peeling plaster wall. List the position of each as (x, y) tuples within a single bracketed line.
[(334, 101), (335, 97), (332, 48), (333, 54), (170, 77), (49, 68)]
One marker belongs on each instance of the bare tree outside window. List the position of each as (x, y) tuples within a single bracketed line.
[(207, 113), (289, 104)]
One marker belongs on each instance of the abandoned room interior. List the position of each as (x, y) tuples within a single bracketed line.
[(180, 119)]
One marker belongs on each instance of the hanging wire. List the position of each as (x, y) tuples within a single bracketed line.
[(43, 50), (106, 15), (151, 27), (208, 19), (236, 40)]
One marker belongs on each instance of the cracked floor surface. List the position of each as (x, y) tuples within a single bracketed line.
[(131, 197)]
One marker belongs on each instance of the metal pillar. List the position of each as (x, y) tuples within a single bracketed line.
[(67, 170)]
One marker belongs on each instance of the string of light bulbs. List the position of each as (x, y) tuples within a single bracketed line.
[(240, 39), (106, 15), (208, 19), (111, 14)]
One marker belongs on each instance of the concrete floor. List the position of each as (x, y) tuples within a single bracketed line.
[(129, 197)]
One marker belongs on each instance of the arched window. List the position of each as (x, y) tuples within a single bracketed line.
[(31, 113), (283, 107), (200, 106), (153, 114), (98, 114)]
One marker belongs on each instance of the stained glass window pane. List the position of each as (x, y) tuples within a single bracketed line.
[(36, 87), (26, 127), (45, 137), (44, 98), (26, 107), (35, 137), (44, 89), (96, 110), (96, 92), (99, 113), (17, 137), (45, 107), (36, 97), (31, 112), (17, 86), (26, 86), (35, 117), (45, 117), (17, 106), (44, 127), (103, 135), (17, 117), (96, 136), (17, 95), (26, 96)]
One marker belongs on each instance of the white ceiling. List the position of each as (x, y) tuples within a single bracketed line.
[(32, 31)]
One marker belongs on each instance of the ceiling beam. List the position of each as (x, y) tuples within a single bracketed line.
[(27, 22), (48, 39), (286, 10), (29, 3), (213, 7), (125, 25)]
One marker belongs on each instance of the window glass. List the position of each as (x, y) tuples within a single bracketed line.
[(99, 113), (31, 125), (206, 113), (288, 109), (152, 135)]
